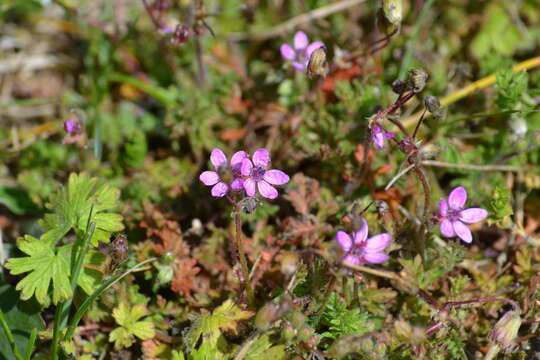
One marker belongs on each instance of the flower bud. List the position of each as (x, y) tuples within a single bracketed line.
[(317, 64), (506, 330), (433, 105), (399, 87), (266, 316), (393, 11), (289, 264), (417, 79)]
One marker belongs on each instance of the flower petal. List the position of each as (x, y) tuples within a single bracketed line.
[(300, 40), (443, 208), (237, 184), (220, 189), (378, 139), (249, 186), (267, 190), (352, 259), (298, 66), (312, 47), (218, 158), (209, 177), (447, 229), (457, 198), (287, 52), (377, 243), (361, 235), (276, 177), (261, 158), (472, 215), (237, 158), (462, 231), (246, 167), (376, 258), (344, 240)]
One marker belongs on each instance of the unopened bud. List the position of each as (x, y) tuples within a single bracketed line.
[(506, 330), (289, 263), (433, 105), (417, 79), (288, 331), (399, 87), (393, 11), (266, 316), (317, 64)]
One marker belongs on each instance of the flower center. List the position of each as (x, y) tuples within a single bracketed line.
[(453, 214), (258, 173)]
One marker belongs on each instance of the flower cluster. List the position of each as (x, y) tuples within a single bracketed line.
[(300, 54), (359, 249), (453, 216), (250, 175)]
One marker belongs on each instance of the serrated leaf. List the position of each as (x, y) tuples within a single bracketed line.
[(130, 326), (46, 263), (72, 207), (225, 317)]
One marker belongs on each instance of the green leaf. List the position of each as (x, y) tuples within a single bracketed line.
[(498, 35), (130, 326), (343, 322), (21, 316), (511, 86), (225, 317), (73, 204), (499, 205), (16, 200), (262, 349), (45, 263)]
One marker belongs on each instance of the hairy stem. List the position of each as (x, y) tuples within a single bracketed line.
[(242, 257)]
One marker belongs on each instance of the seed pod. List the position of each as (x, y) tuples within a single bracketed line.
[(317, 64), (506, 330), (393, 11), (417, 79), (433, 105)]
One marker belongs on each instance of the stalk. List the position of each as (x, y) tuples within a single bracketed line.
[(242, 256)]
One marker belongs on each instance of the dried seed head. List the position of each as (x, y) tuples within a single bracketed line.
[(506, 330), (317, 64), (249, 204), (433, 105), (382, 206), (393, 11), (417, 79)]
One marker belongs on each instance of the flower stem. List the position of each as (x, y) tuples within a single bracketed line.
[(242, 256), (9, 336), (325, 300)]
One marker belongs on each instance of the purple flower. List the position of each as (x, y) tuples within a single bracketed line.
[(212, 178), (302, 50), (363, 249), (378, 135), (453, 216), (256, 175)]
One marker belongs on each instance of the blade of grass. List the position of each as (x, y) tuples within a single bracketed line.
[(9, 336), (30, 346)]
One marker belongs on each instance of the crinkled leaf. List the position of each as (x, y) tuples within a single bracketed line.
[(130, 326), (225, 317), (73, 204), (45, 263)]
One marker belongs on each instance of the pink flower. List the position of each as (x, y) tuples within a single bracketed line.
[(453, 216), (363, 249), (212, 178), (302, 50), (256, 175), (378, 135)]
